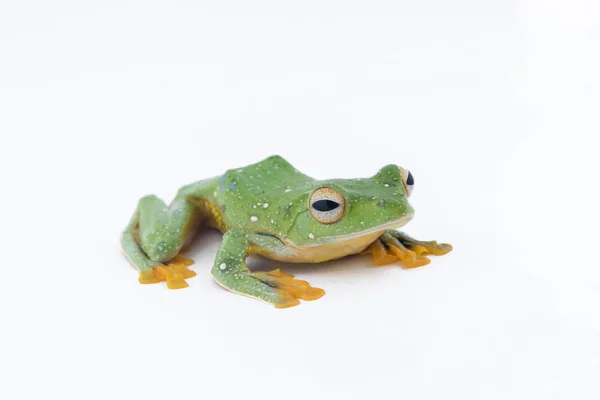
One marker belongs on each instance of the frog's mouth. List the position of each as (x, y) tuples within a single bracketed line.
[(339, 246), (377, 231)]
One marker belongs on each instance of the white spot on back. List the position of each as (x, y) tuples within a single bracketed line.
[(222, 266), (266, 205), (310, 235), (287, 190), (253, 218)]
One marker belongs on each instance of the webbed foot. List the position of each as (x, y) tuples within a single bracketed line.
[(290, 289), (395, 246), (174, 273)]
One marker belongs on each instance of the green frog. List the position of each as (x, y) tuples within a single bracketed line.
[(272, 209)]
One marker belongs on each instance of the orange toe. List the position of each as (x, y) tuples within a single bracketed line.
[(174, 273), (291, 289)]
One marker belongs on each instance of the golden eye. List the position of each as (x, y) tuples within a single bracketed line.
[(408, 180), (326, 205)]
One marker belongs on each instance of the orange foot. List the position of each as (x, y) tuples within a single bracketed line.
[(291, 289), (396, 246), (174, 273)]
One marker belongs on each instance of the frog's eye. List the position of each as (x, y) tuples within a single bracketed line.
[(408, 180), (327, 205)]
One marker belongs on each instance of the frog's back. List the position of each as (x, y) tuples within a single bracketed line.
[(255, 196)]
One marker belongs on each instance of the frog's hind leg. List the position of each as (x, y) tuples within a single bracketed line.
[(395, 246), (154, 237)]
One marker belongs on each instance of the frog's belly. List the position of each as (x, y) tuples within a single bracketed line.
[(328, 251)]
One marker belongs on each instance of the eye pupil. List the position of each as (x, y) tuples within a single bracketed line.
[(325, 205), (410, 181)]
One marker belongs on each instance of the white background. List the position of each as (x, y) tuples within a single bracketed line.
[(493, 105)]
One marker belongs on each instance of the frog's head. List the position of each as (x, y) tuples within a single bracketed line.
[(352, 213)]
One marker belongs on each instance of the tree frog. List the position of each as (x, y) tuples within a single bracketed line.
[(272, 209)]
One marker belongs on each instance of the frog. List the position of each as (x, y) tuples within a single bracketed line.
[(273, 210)]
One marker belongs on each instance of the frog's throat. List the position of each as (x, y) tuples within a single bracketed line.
[(340, 246)]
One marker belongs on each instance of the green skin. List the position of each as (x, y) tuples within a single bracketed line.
[(264, 208)]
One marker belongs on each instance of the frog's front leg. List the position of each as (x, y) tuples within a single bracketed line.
[(394, 245), (275, 287)]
